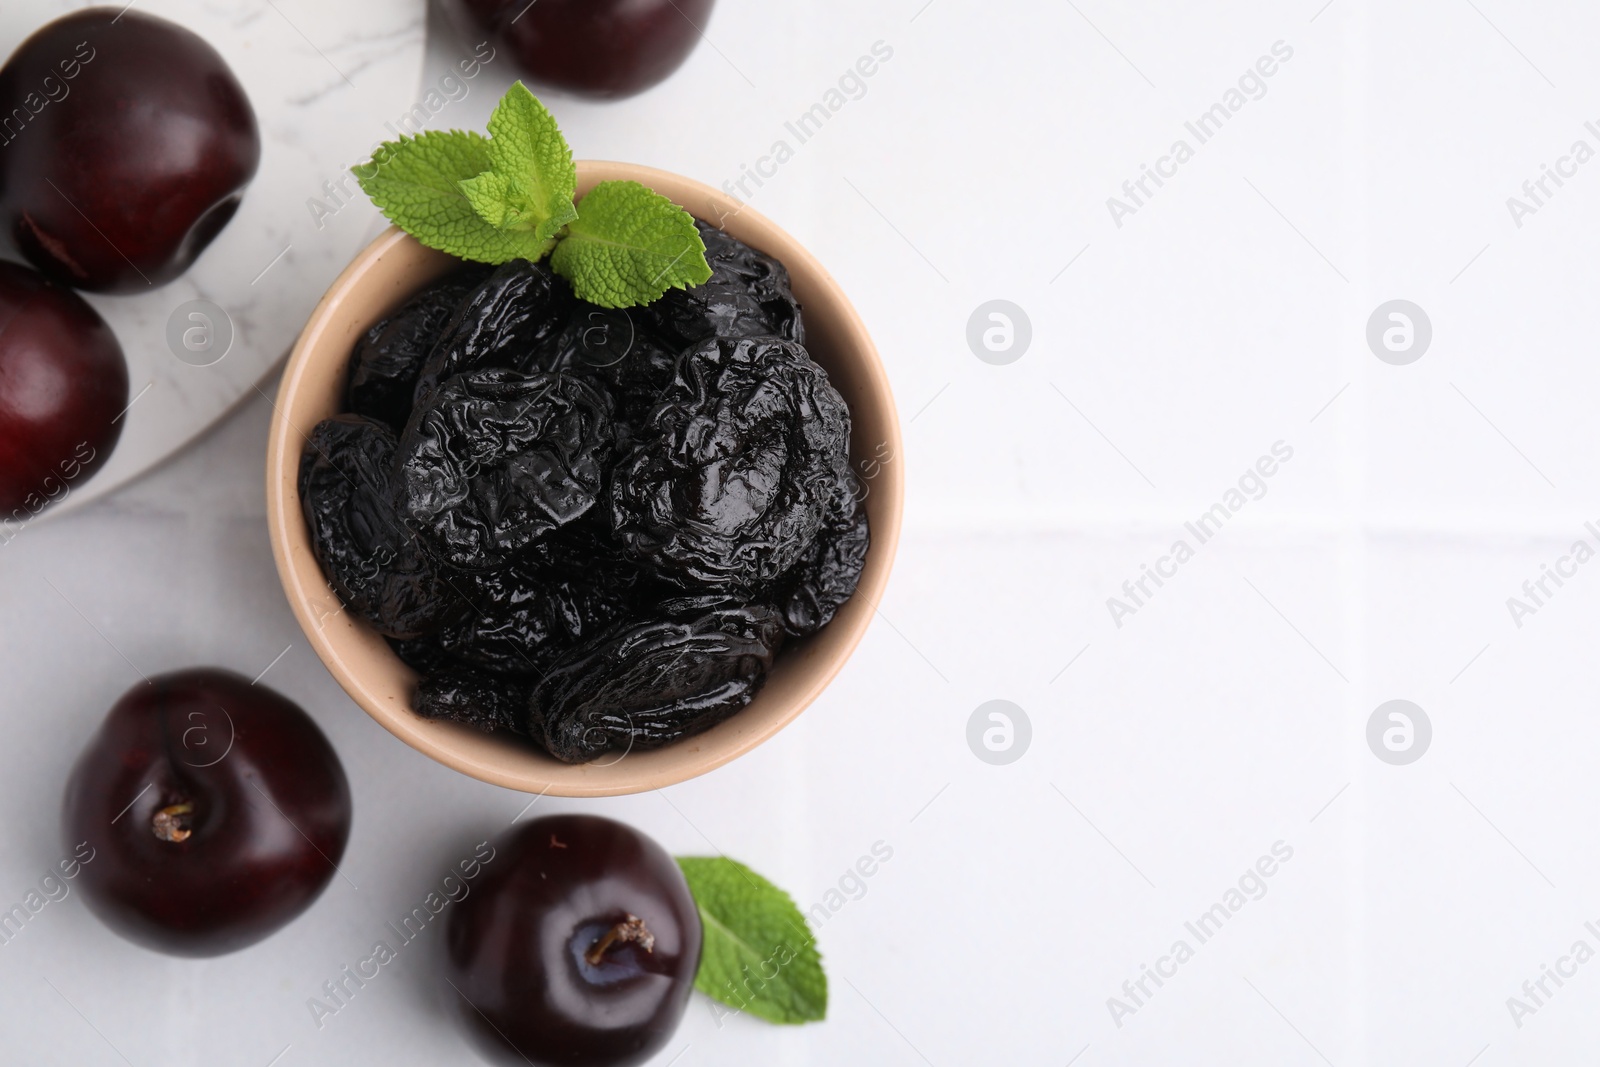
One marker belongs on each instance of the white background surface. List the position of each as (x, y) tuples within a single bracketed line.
[(1168, 754)]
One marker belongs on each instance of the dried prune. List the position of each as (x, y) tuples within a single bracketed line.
[(522, 616), (421, 654), (643, 685), (483, 700), (496, 458), (503, 322), (374, 564), (748, 295), (388, 360), (827, 577), (731, 476), (607, 344)]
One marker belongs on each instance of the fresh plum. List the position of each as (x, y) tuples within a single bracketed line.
[(63, 384), (597, 48), (579, 947), (216, 808), (126, 150)]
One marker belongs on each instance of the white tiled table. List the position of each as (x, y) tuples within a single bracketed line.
[(1169, 754)]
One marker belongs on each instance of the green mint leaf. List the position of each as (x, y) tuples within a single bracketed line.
[(416, 183), (629, 245), (757, 954), (534, 176), (490, 196), (495, 198)]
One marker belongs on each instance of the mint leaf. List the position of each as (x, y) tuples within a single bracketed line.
[(757, 954), (629, 245), (534, 176), (495, 198), (416, 183), (490, 196)]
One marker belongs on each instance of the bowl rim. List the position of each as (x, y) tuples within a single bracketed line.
[(286, 523)]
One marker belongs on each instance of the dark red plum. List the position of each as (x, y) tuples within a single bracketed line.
[(598, 48), (63, 384), (579, 946), (216, 808), (125, 148)]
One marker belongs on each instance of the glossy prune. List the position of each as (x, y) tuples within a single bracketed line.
[(421, 654), (375, 565), (748, 295), (522, 616), (504, 321), (518, 619), (731, 475), (643, 685), (820, 583), (475, 698), (389, 359), (607, 344), (496, 459)]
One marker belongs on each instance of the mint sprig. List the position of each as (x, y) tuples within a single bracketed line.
[(757, 953), (531, 177), (629, 241), (510, 196)]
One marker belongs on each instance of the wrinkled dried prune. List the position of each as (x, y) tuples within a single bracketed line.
[(608, 344), (643, 685), (373, 563), (421, 654), (523, 616), (732, 473), (496, 458), (503, 322), (516, 620), (388, 360), (748, 295), (827, 577), (475, 698)]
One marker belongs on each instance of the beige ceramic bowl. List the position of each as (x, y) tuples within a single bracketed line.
[(382, 277)]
